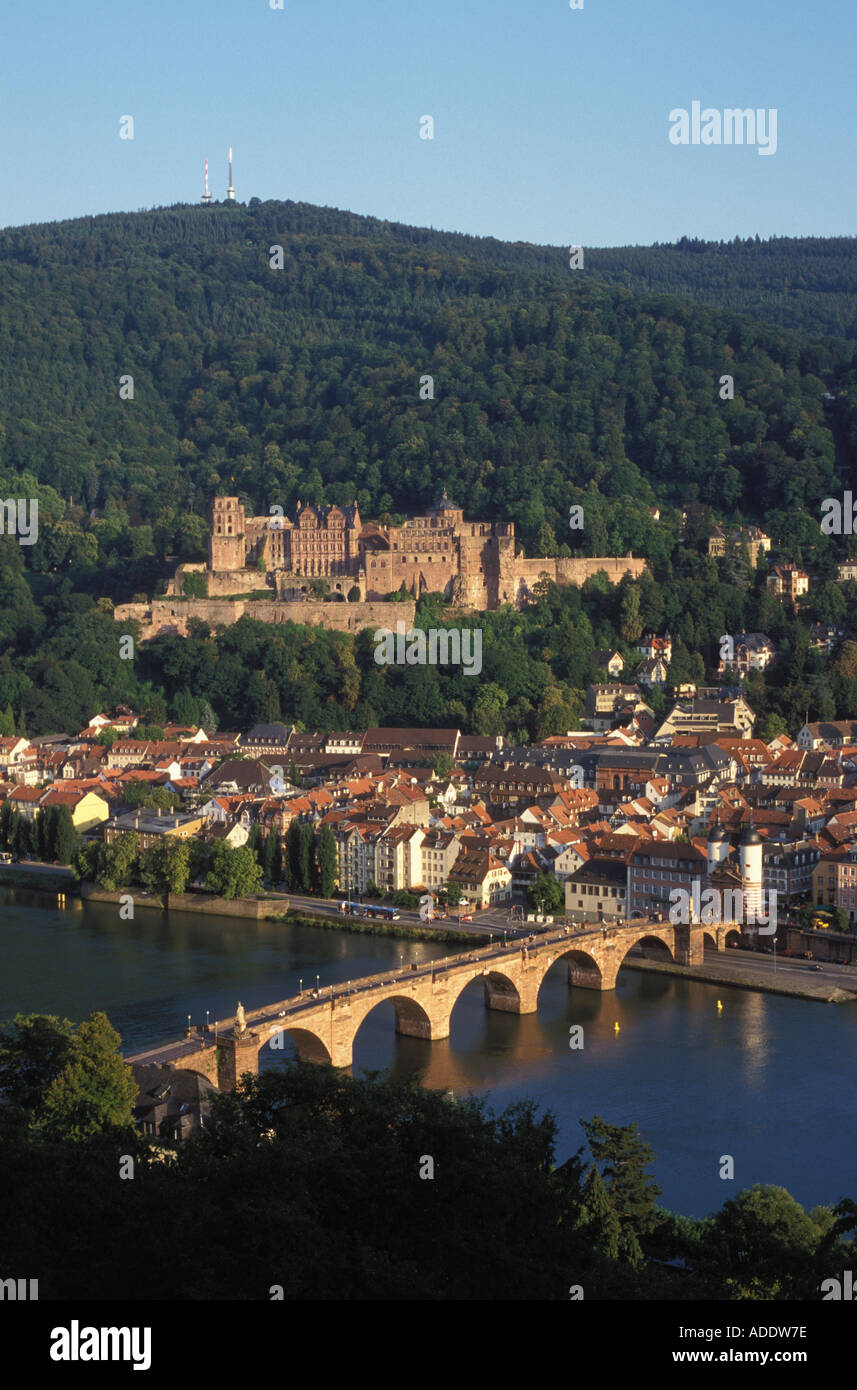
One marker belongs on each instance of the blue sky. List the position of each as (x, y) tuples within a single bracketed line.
[(551, 124)]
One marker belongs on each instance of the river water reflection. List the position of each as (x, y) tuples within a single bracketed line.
[(768, 1080)]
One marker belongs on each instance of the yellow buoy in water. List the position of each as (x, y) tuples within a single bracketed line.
[(615, 1027), (719, 1005)]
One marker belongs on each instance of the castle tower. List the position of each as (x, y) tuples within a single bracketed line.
[(226, 550), (718, 847), (750, 860)]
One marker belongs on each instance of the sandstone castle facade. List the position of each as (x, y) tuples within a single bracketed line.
[(472, 563)]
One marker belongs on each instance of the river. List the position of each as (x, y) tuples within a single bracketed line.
[(766, 1079)]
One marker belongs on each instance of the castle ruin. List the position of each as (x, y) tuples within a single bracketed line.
[(472, 563)]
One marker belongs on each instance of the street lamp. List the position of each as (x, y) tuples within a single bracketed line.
[(188, 1023), (207, 1024)]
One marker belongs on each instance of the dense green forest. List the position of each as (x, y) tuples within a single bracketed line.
[(551, 388), (807, 283), (324, 1186)]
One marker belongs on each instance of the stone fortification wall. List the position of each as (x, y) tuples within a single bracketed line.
[(173, 614), (578, 571)]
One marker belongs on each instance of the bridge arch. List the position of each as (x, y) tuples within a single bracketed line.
[(583, 967), (664, 939), (310, 1047), (411, 1018), (499, 990)]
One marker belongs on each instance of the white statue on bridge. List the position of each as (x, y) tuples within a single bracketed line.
[(240, 1020)]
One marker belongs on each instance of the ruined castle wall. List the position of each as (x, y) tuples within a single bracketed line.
[(173, 615), (432, 571), (578, 571)]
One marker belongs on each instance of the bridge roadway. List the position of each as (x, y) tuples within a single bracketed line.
[(323, 1023)]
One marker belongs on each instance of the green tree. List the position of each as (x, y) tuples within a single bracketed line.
[(65, 841), (33, 1050), (292, 863), (7, 824), (306, 857), (623, 1156), (631, 624), (269, 855), (488, 717), (95, 1089), (86, 861), (49, 833), (233, 873), (23, 839), (597, 1217), (118, 865), (325, 853), (195, 585), (764, 1235), (840, 920), (256, 842), (453, 893), (545, 893), (40, 839), (442, 765), (165, 867)]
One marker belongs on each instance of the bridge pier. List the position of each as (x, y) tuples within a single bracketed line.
[(413, 1023), (511, 998), (236, 1053), (586, 976), (688, 945)]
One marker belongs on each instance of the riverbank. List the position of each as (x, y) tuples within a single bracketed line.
[(376, 928), (271, 909), (47, 879), (256, 909), (711, 974)]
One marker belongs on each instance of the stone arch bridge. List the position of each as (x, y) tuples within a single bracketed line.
[(323, 1024)]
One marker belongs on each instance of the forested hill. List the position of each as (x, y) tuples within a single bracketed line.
[(551, 387), (304, 381), (807, 283)]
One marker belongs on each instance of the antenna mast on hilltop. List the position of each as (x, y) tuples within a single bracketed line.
[(206, 197), (230, 192)]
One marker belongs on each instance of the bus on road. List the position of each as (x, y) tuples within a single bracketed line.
[(391, 914)]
